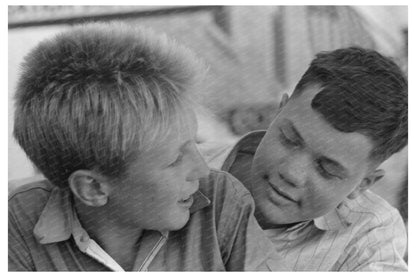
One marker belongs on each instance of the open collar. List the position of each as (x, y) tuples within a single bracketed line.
[(337, 219), (56, 219)]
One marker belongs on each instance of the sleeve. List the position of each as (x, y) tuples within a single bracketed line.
[(18, 253), (245, 247), (381, 248)]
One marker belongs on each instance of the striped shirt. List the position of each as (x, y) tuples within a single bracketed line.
[(363, 234)]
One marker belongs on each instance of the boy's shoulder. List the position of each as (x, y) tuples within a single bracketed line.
[(223, 184), (229, 221), (41, 186), (227, 196)]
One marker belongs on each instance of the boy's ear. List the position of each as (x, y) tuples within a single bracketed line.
[(90, 188), (367, 182)]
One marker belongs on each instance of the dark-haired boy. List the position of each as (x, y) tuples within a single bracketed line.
[(309, 173), (103, 111)]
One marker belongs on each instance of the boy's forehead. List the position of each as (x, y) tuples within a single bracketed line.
[(184, 125), (307, 94), (351, 149), (180, 129)]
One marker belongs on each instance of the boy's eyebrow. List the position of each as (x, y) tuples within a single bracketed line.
[(294, 130)]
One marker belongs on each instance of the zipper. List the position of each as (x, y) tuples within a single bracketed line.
[(153, 252), (96, 252)]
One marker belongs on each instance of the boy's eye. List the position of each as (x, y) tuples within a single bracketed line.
[(287, 141), (327, 174), (177, 161)]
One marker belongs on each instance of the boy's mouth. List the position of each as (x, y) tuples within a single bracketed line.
[(187, 203), (277, 190), (281, 193)]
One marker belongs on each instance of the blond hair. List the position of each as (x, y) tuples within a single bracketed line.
[(95, 96)]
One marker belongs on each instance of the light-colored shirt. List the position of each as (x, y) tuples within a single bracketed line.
[(364, 234), (45, 234)]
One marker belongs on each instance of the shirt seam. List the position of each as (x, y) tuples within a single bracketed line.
[(26, 190), (27, 255)]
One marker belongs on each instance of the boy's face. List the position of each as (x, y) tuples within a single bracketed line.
[(304, 167), (156, 192)]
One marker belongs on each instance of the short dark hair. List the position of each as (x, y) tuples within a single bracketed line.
[(362, 91), (96, 95)]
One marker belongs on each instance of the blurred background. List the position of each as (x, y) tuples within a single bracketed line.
[(255, 54)]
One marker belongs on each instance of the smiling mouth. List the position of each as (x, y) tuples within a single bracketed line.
[(281, 193)]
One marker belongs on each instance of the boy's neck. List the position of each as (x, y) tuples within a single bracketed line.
[(119, 241)]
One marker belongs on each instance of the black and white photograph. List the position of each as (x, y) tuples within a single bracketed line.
[(208, 138)]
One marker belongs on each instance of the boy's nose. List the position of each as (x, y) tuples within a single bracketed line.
[(200, 167), (294, 170)]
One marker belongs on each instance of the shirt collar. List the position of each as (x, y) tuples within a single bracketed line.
[(339, 218), (58, 220), (247, 144), (200, 202)]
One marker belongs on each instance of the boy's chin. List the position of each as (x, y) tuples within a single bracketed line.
[(179, 221)]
